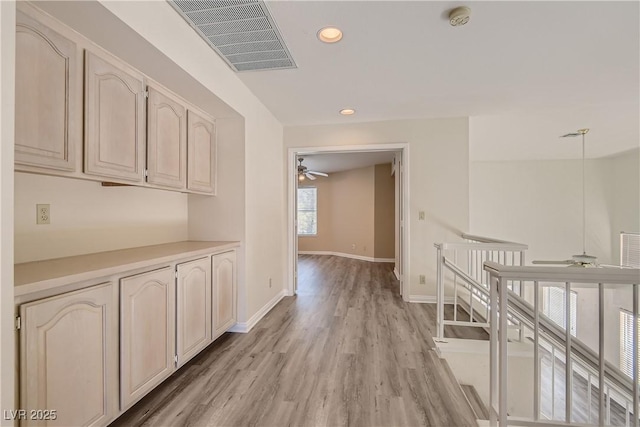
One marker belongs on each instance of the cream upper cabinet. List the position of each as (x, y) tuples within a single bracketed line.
[(166, 140), (114, 139), (69, 357), (224, 292), (201, 156), (48, 97), (147, 332), (193, 308)]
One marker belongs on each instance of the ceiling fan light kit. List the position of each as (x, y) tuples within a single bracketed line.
[(304, 172)]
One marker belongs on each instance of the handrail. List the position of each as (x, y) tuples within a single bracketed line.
[(618, 276), (523, 311), (464, 276), (482, 239), (491, 246), (481, 255), (505, 301)]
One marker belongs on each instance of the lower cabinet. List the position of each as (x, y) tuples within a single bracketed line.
[(147, 332), (82, 364), (224, 292), (193, 308), (69, 358)]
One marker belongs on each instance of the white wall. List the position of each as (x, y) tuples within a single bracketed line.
[(86, 217), (624, 187), (264, 175), (539, 203), (223, 217), (438, 179), (469, 362), (7, 102)]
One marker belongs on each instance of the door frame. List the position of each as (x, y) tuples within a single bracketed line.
[(292, 186)]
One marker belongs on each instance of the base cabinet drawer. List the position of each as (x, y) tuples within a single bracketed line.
[(147, 333), (69, 358)]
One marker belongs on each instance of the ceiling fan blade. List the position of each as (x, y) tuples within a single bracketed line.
[(318, 173), (311, 177), (565, 262)]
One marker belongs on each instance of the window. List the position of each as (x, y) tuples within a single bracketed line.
[(630, 249), (307, 211), (554, 304), (626, 342)]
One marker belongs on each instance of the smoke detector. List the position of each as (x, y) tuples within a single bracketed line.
[(459, 16)]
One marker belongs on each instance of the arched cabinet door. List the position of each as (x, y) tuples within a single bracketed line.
[(114, 140), (201, 154), (193, 308), (48, 97), (147, 332), (69, 357), (224, 292), (166, 139)]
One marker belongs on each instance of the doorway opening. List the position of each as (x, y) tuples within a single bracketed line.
[(346, 163)]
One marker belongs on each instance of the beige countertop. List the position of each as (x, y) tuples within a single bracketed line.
[(38, 275)]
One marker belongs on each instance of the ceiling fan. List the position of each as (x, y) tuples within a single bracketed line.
[(581, 260), (303, 172)]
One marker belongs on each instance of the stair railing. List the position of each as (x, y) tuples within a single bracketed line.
[(460, 268), (613, 387)]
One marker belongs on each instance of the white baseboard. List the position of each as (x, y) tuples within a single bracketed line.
[(428, 299), (353, 256), (396, 273), (244, 327)]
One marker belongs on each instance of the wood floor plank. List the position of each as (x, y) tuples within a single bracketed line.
[(346, 351)]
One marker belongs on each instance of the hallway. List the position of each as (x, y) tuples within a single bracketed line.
[(347, 350)]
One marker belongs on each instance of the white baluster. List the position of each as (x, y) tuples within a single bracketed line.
[(568, 370)]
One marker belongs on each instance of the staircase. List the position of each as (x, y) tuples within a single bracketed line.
[(478, 407), (523, 372)]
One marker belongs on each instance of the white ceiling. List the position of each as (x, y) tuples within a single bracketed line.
[(338, 162), (402, 59), (525, 72)]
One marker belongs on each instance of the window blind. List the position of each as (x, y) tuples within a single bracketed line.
[(630, 249), (626, 342), (307, 211), (555, 304)]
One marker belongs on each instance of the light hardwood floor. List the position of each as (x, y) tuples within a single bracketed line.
[(347, 350)]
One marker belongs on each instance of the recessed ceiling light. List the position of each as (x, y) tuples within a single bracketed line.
[(347, 111), (330, 35)]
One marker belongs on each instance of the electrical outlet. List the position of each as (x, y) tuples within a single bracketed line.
[(43, 214), (353, 246), (269, 282), (423, 280), (421, 216)]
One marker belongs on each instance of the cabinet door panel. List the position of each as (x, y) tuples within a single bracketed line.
[(166, 140), (193, 308), (114, 121), (147, 332), (224, 288), (201, 156), (69, 357), (47, 90)]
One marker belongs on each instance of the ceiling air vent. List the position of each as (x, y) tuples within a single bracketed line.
[(242, 32)]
